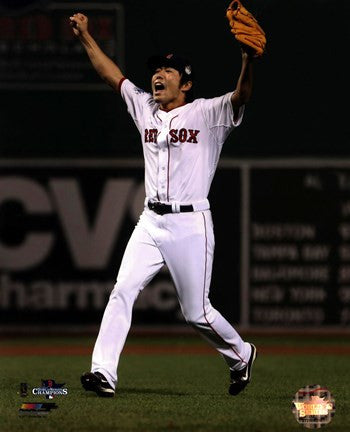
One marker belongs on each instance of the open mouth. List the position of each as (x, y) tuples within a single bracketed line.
[(158, 86)]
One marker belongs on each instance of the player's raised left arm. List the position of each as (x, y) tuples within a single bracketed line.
[(244, 86), (252, 39)]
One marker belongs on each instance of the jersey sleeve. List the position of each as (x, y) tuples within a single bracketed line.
[(219, 116), (136, 100)]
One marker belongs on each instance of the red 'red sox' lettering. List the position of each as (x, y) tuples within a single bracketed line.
[(182, 135), (151, 135)]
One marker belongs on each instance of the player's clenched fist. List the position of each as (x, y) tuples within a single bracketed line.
[(79, 22)]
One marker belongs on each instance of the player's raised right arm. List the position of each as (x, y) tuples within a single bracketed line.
[(103, 65)]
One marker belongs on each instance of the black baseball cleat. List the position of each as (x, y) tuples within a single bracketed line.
[(96, 382), (240, 378)]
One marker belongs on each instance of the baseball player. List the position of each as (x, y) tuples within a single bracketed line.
[(182, 138)]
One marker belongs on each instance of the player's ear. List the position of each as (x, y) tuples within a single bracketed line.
[(186, 86)]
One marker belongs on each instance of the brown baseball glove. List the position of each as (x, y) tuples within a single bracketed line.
[(246, 29)]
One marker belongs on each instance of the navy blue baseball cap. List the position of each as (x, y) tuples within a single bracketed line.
[(179, 63)]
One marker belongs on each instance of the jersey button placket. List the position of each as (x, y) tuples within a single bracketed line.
[(162, 163), (162, 174)]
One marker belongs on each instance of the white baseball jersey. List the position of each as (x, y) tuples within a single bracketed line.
[(181, 151), (181, 147)]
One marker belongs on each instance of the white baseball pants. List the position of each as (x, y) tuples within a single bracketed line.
[(185, 242)]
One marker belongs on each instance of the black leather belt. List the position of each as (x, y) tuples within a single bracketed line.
[(162, 209)]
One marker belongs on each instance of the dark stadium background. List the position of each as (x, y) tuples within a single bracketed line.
[(297, 105)]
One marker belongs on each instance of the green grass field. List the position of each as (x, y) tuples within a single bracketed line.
[(175, 392)]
